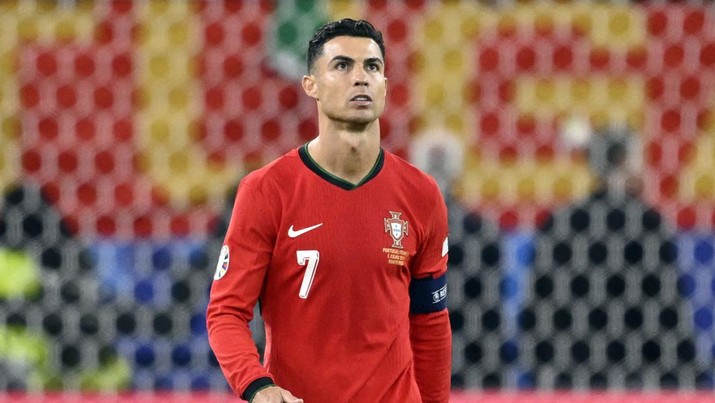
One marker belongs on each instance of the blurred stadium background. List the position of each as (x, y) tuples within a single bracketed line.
[(125, 126)]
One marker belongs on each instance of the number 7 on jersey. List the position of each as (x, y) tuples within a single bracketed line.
[(310, 259)]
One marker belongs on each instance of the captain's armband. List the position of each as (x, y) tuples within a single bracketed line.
[(428, 294)]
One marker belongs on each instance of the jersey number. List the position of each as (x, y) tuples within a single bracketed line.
[(310, 259)]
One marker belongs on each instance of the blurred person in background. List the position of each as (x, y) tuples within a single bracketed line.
[(603, 307), (344, 245), (51, 336)]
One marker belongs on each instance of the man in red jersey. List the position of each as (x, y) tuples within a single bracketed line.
[(344, 246)]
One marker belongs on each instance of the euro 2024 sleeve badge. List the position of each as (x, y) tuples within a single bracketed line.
[(222, 265)]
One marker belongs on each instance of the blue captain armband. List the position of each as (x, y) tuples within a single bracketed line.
[(428, 294)]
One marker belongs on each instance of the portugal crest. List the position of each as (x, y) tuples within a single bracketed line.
[(397, 229)]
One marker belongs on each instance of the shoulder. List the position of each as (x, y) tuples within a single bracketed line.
[(274, 173), (410, 175)]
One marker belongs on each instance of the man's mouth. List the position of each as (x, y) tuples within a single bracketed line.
[(361, 98)]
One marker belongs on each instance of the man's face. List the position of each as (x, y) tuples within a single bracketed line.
[(348, 80)]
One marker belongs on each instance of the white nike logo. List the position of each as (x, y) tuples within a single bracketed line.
[(293, 233)]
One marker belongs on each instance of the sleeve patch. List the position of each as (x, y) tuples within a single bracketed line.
[(445, 246), (428, 294), (222, 265)]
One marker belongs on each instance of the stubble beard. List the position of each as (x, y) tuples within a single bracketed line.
[(354, 121)]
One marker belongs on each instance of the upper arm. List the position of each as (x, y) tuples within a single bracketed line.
[(246, 253), (428, 286)]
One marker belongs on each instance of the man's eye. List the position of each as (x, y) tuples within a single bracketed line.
[(341, 66)]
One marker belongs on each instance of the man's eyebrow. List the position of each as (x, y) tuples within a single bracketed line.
[(374, 60), (341, 58)]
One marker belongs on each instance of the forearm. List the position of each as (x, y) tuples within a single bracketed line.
[(431, 339), (231, 341)]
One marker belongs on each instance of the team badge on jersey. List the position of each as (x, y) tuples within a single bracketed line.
[(397, 228), (222, 265)]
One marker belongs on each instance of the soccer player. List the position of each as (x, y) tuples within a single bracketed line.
[(344, 246)]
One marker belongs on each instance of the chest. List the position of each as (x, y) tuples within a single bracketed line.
[(354, 225), (365, 236)]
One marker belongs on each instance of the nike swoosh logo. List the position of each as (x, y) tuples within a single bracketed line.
[(294, 233)]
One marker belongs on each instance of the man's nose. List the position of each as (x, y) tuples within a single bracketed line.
[(360, 77)]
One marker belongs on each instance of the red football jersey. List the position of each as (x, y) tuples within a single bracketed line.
[(330, 264)]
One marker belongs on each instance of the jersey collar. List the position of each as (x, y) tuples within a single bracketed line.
[(313, 166)]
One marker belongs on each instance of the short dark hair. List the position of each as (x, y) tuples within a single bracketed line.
[(344, 27)]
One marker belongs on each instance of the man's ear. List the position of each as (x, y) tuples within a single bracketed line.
[(310, 86)]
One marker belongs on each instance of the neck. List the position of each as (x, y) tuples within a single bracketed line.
[(347, 154)]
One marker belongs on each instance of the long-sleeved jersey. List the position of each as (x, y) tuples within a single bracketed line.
[(349, 279)]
